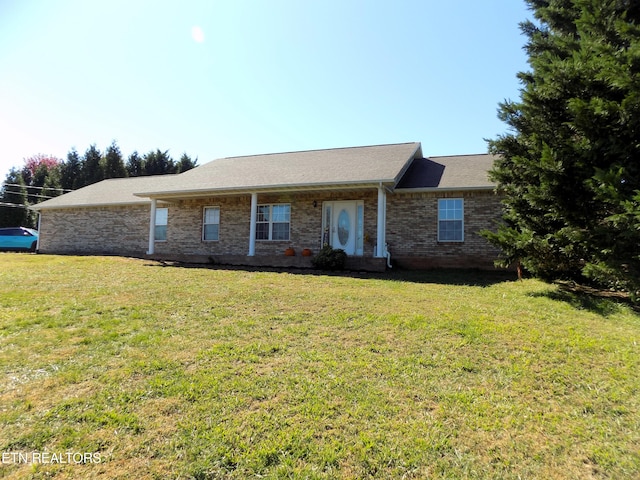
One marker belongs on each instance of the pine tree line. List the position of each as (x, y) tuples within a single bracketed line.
[(44, 177)]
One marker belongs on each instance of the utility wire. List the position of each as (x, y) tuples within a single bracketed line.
[(38, 188), (13, 205), (9, 192), (31, 195)]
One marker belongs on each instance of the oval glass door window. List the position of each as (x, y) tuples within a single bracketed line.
[(344, 228)]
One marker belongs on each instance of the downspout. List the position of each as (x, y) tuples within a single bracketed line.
[(152, 227), (386, 248)]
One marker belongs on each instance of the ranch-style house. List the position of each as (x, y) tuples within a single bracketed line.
[(383, 205)]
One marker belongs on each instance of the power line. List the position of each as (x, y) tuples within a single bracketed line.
[(34, 195), (13, 205), (27, 194), (38, 188)]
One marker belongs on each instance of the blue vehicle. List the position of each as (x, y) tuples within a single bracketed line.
[(18, 239)]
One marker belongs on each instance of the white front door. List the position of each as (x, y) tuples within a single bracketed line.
[(343, 224), (344, 227)]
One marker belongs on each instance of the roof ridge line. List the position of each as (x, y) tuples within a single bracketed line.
[(463, 155), (318, 150)]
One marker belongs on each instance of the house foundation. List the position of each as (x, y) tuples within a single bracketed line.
[(271, 261)]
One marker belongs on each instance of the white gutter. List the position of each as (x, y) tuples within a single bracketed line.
[(37, 208), (444, 189), (204, 191)]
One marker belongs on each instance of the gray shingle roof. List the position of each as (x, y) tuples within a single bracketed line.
[(399, 165), (309, 169), (115, 191)]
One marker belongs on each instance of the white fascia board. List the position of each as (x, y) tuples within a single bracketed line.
[(444, 189), (93, 205), (266, 189)]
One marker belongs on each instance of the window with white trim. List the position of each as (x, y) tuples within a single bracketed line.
[(273, 222), (450, 220), (211, 224), (162, 216)]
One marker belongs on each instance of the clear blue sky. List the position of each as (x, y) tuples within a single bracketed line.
[(216, 78)]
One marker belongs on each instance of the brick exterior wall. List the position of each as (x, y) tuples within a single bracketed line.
[(184, 230), (411, 227), (122, 230), (412, 230)]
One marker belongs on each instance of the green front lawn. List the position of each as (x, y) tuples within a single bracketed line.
[(169, 372)]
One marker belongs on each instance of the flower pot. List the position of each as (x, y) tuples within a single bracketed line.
[(289, 252), (306, 252)]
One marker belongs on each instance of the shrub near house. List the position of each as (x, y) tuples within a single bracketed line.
[(330, 258)]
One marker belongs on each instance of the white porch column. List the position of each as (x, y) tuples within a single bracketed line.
[(252, 225), (152, 227), (381, 250)]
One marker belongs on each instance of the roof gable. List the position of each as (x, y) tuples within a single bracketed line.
[(450, 172)]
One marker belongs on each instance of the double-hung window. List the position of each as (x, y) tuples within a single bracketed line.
[(211, 224), (450, 220), (273, 221), (162, 216)]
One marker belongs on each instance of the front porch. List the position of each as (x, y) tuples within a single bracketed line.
[(256, 229)]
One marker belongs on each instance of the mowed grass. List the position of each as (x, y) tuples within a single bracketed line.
[(169, 372)]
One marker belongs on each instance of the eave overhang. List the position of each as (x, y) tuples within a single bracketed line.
[(483, 188), (247, 190), (141, 202)]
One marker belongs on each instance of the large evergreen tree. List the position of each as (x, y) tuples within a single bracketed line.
[(71, 171), (113, 163), (570, 166), (185, 163), (158, 163), (135, 165), (92, 166), (45, 184), (13, 200)]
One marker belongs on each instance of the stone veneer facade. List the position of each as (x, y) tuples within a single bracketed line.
[(412, 225)]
